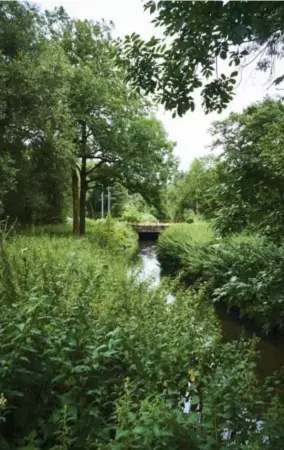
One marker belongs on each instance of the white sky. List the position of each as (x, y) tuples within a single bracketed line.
[(191, 131)]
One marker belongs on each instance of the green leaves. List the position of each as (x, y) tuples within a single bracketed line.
[(64, 99), (197, 36), (36, 131), (249, 188), (191, 194)]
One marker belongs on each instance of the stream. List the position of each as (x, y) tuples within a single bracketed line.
[(271, 349)]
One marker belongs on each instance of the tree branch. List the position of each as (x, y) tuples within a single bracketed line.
[(96, 166), (91, 187), (93, 168)]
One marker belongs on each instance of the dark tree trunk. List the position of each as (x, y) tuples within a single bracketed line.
[(83, 194), (76, 204), (83, 180)]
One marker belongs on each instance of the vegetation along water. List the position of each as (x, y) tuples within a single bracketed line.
[(107, 343)]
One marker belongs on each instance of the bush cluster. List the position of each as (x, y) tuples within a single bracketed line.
[(93, 360), (133, 215), (176, 244), (244, 272)]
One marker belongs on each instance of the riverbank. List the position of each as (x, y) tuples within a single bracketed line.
[(243, 272), (93, 357), (233, 327)]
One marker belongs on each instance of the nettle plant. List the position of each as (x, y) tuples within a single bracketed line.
[(93, 359)]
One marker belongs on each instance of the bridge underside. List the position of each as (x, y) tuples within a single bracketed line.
[(148, 235), (151, 231)]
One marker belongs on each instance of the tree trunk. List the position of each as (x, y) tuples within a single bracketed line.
[(75, 198), (83, 180), (83, 194)]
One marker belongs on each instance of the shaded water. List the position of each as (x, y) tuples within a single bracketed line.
[(271, 349)]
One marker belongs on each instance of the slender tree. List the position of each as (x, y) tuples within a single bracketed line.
[(116, 136)]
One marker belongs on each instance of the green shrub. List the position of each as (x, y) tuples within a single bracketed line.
[(243, 272), (92, 359), (249, 275), (189, 216), (112, 234), (148, 218), (131, 215), (179, 241)]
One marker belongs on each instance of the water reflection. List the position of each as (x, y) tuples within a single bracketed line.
[(149, 266)]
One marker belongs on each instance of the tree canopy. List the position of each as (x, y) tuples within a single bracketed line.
[(197, 36), (192, 192), (65, 108), (36, 136), (249, 191)]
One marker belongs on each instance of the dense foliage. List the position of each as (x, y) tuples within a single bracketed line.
[(241, 187), (243, 272), (116, 236), (198, 37), (36, 133), (193, 194), (68, 118), (248, 190), (176, 244), (92, 359), (128, 207)]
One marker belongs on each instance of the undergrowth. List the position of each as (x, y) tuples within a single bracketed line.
[(91, 359), (106, 233)]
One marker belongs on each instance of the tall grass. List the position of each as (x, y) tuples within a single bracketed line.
[(106, 233), (92, 359)]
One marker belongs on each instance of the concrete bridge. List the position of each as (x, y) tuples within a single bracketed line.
[(150, 231)]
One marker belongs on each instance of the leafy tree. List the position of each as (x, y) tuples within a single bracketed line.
[(143, 160), (65, 107), (117, 139), (250, 189), (197, 36), (16, 33), (192, 192), (35, 134), (119, 198)]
